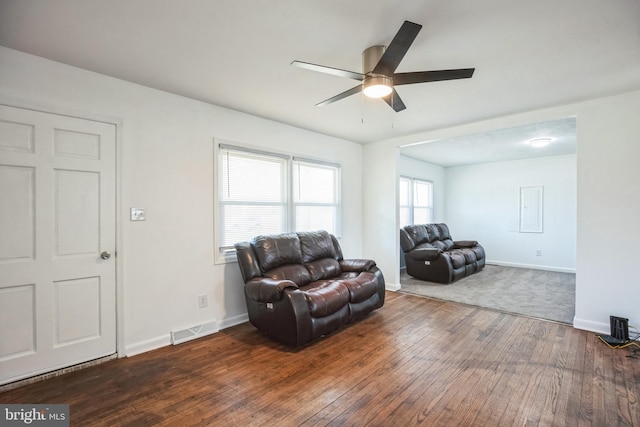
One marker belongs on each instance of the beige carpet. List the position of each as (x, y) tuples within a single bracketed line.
[(537, 293)]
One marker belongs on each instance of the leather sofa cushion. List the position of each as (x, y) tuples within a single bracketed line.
[(457, 259), (443, 231), (361, 285), (433, 233), (324, 268), (440, 245), (316, 245), (479, 251), (277, 250), (417, 233), (469, 256), (297, 273), (325, 297)]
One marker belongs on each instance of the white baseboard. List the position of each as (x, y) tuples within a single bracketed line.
[(392, 287), (165, 340), (233, 321), (532, 266), (147, 345), (590, 325)]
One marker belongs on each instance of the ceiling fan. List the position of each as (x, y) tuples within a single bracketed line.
[(379, 64)]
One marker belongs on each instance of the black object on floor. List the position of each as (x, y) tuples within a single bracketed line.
[(619, 328)]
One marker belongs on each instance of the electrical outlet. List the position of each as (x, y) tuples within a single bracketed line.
[(539, 252), (202, 301)]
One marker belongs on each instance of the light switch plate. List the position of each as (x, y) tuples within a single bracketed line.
[(137, 214)]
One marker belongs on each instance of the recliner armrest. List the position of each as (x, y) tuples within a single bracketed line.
[(357, 265), (464, 244), (263, 289), (424, 254)]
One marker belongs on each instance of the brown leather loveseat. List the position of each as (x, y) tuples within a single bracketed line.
[(298, 287), (430, 253)]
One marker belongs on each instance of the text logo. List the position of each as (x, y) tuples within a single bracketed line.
[(54, 415)]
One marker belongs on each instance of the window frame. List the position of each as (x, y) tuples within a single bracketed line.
[(226, 254)]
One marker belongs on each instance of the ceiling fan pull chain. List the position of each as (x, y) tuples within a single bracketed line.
[(393, 116)]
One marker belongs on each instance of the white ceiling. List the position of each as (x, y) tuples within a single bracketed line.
[(528, 54), (498, 145)]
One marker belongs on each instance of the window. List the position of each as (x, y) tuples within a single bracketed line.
[(266, 193), (416, 201), (315, 196), (252, 194)]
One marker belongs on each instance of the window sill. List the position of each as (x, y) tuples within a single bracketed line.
[(225, 257)]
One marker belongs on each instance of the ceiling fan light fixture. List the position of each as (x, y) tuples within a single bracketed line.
[(377, 86), (379, 64), (539, 142)]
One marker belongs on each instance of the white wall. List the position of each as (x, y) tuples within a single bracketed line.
[(608, 201), (482, 203), (380, 213), (608, 211), (166, 166)]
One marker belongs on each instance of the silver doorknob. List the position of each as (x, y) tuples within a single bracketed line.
[(105, 255)]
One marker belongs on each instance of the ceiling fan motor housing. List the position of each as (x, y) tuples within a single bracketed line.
[(370, 58)]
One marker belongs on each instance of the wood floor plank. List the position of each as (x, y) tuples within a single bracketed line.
[(416, 361), (509, 394), (464, 378)]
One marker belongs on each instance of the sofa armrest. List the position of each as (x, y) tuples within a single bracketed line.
[(263, 289), (424, 254), (459, 244), (357, 265)]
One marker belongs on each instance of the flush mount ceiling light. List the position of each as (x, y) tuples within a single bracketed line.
[(377, 86), (539, 142)]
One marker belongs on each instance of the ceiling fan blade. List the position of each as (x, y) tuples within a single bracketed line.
[(432, 76), (397, 48), (329, 70), (394, 101), (340, 96)]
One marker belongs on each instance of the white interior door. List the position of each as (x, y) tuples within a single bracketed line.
[(57, 216)]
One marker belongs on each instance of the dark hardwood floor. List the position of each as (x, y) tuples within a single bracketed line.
[(416, 361)]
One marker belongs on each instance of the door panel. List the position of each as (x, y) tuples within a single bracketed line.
[(17, 215), (57, 214), (77, 322), (18, 310), (77, 231)]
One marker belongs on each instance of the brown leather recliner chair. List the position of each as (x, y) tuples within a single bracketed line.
[(430, 253), (298, 287)]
